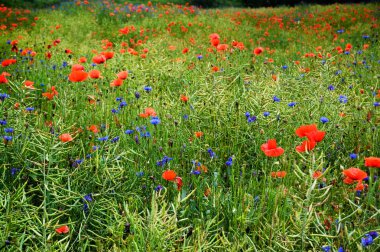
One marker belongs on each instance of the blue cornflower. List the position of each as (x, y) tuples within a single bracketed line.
[(376, 104), (326, 248), (29, 109), (14, 171), (147, 89), (292, 104), (353, 156), (115, 139), (9, 42), (338, 72), (155, 120), (340, 249), (64, 64), (331, 87), (9, 130), (347, 52), (340, 31), (137, 139), (196, 172), (8, 138), (129, 131), (88, 156), (103, 139), (137, 95), (158, 188), (77, 162), (374, 234), (266, 113), (140, 174), (285, 67), (93, 65), (3, 122), (229, 161), (359, 52), (276, 99), (164, 161), (85, 208), (199, 57), (367, 240), (186, 117), (211, 153), (252, 119), (365, 36), (343, 99), (247, 114), (88, 197), (3, 96), (122, 104), (146, 134), (324, 120), (119, 99), (115, 111)]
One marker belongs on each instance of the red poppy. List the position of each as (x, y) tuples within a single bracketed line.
[(184, 98), (169, 175), (372, 162), (65, 138), (278, 174), (77, 67), (270, 148), (78, 76), (99, 59), (150, 112), (62, 230), (82, 59), (29, 84), (8, 62), (306, 145), (50, 95), (123, 75), (94, 74), (93, 128), (316, 136), (3, 79), (108, 55), (178, 181), (317, 174), (258, 50), (198, 134), (305, 129), (355, 174), (116, 83)]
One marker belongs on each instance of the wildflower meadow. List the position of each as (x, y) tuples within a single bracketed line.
[(170, 127)]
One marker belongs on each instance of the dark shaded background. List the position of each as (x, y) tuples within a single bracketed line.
[(202, 3)]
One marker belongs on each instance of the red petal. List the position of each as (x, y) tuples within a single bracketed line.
[(304, 129)]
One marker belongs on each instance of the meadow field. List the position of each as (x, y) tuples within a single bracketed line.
[(164, 127)]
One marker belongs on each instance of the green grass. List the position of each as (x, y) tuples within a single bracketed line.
[(44, 181)]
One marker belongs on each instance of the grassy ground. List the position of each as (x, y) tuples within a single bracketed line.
[(106, 181)]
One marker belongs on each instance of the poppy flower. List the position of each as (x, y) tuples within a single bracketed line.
[(77, 67), (99, 59), (65, 138), (258, 50), (78, 76), (82, 59), (108, 55), (372, 162), (29, 84), (94, 74), (355, 174), (169, 175), (150, 112), (306, 145), (184, 98), (270, 148), (93, 128), (8, 62), (123, 75), (62, 230), (3, 79), (305, 129), (179, 182), (198, 134), (278, 174)]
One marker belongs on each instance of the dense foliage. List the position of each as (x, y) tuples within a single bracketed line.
[(163, 127)]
